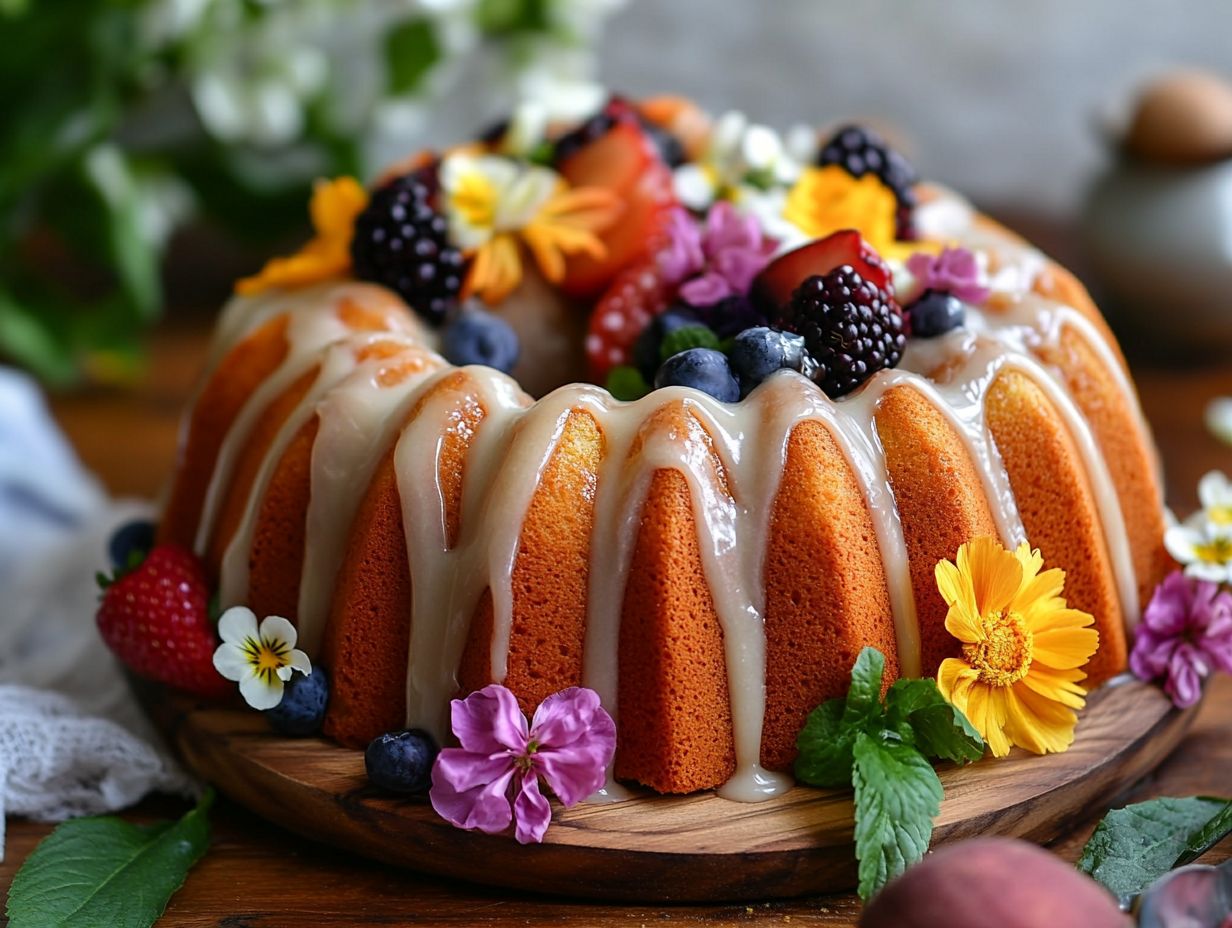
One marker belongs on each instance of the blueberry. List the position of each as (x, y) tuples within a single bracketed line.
[(757, 353), (401, 761), (303, 705), (731, 315), (935, 313), (702, 369), (130, 543), (646, 349), (478, 337)]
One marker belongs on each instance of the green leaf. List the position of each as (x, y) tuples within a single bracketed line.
[(825, 745), (411, 50), (1134, 846), (936, 727), (864, 695), (897, 797), (107, 873), (686, 337), (1211, 834), (626, 383), (27, 339)]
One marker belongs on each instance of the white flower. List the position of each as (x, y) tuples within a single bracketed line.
[(1215, 494), (741, 159), (260, 660), (1219, 418), (1203, 547), (486, 195)]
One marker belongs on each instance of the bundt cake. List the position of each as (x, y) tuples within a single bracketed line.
[(710, 565)]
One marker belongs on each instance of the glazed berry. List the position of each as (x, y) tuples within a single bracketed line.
[(402, 241), (401, 761), (757, 353), (861, 151), (646, 350), (935, 313), (479, 337), (302, 709), (702, 369), (851, 328), (130, 543)]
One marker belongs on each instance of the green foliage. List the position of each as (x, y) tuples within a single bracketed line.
[(882, 750), (107, 873), (627, 383), (411, 51), (686, 337)]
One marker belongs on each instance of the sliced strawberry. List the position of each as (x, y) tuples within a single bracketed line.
[(636, 296), (155, 619), (775, 284), (625, 161)]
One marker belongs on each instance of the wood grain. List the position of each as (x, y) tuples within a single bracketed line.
[(697, 848)]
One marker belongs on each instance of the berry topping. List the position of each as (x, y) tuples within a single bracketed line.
[(851, 328), (730, 316), (130, 543), (702, 369), (934, 314), (302, 710), (637, 295), (155, 619), (779, 280), (618, 110), (861, 151), (401, 761), (757, 353), (402, 241), (647, 353), (479, 337)]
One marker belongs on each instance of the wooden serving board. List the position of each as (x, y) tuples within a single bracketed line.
[(665, 849)]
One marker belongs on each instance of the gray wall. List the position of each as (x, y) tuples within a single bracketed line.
[(996, 98)]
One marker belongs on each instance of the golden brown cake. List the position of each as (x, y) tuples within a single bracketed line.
[(710, 568)]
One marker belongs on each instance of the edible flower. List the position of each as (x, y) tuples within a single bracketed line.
[(261, 659), (828, 199), (955, 271), (720, 261), (1022, 647), (493, 205), (1185, 634), (1219, 418), (493, 778), (1203, 546), (334, 206), (740, 158)]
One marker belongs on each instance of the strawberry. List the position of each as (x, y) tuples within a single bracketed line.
[(626, 161), (155, 619), (774, 286)]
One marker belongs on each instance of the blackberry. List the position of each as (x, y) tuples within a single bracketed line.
[(861, 151), (851, 328), (402, 241)]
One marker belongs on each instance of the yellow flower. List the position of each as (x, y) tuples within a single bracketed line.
[(334, 206), (828, 199), (1017, 680), (494, 205)]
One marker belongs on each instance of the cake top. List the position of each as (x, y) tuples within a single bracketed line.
[(651, 245)]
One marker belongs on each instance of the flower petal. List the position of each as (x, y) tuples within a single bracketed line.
[(578, 740), (531, 811), (261, 691), (484, 807), (277, 633), (995, 574), (298, 660), (1064, 648), (963, 619), (464, 770), (489, 721), (237, 624), (1059, 686), (1038, 724), (231, 662)]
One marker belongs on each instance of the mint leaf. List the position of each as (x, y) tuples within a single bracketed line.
[(897, 797), (686, 337), (1134, 846), (864, 695), (917, 710), (1211, 834), (825, 747), (625, 382), (107, 873)]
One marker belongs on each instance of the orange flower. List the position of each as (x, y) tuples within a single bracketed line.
[(334, 207)]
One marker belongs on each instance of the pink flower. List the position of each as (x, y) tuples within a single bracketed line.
[(954, 271), (570, 744), (1186, 633), (682, 257), (723, 260)]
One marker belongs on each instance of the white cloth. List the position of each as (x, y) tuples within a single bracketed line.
[(72, 739)]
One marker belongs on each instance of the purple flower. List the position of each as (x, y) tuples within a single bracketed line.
[(954, 271), (683, 255), (570, 744), (728, 255), (1186, 633)]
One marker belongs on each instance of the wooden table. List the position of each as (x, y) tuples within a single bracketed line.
[(257, 876)]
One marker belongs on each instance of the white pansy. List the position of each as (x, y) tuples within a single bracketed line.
[(260, 659), (485, 195), (1215, 495), (1219, 418), (1204, 548), (741, 158), (528, 127)]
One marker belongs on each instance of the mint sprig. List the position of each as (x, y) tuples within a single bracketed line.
[(107, 873), (883, 748)]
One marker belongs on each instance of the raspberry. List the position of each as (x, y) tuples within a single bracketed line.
[(861, 151), (851, 328), (402, 241)]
